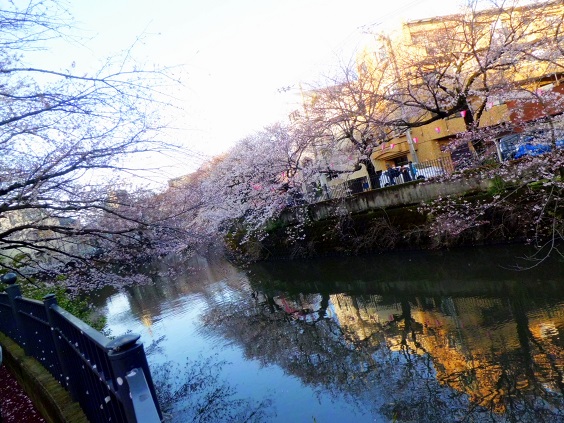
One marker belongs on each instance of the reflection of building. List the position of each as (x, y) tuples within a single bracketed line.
[(466, 338), (361, 319)]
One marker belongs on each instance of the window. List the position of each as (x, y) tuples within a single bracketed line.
[(401, 161)]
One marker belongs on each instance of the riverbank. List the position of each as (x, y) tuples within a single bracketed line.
[(52, 401), (413, 216)]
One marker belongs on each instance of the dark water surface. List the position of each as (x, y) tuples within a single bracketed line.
[(419, 337)]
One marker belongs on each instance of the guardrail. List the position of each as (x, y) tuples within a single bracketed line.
[(429, 169), (110, 379), (347, 188)]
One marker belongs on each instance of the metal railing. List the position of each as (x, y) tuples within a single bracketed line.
[(441, 166), (348, 188), (429, 169), (110, 379)]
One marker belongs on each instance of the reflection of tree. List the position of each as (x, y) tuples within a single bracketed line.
[(410, 326), (519, 378), (406, 355), (530, 386), (413, 392), (306, 343), (194, 392), (515, 376), (329, 357), (173, 278), (419, 360)]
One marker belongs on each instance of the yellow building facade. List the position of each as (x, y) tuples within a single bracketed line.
[(418, 56)]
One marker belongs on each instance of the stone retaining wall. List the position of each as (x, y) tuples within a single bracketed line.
[(393, 196), (51, 399)]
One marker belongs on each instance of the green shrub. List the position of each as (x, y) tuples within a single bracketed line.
[(77, 307), (497, 186)]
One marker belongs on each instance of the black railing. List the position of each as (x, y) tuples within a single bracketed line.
[(347, 188), (110, 379), (429, 169)]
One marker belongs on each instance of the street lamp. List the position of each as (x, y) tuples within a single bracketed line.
[(410, 142)]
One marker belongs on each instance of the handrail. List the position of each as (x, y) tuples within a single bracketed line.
[(110, 379)]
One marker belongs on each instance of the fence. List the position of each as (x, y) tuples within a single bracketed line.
[(429, 169), (441, 166), (347, 188), (110, 379)]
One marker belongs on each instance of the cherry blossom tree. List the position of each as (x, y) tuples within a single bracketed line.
[(350, 113), (254, 181), (506, 53), (501, 53), (463, 64), (67, 143)]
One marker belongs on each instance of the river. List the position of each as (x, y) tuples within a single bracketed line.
[(449, 336)]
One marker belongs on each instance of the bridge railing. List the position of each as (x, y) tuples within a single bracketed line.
[(110, 379)]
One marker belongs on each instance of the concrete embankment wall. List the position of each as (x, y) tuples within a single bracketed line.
[(51, 400), (393, 196), (374, 221)]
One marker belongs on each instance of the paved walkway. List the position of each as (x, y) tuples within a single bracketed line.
[(15, 405)]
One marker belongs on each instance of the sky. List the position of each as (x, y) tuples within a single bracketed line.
[(238, 56)]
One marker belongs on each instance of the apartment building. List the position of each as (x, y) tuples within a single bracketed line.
[(454, 85)]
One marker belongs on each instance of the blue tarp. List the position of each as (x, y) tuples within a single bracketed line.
[(515, 146), (531, 150)]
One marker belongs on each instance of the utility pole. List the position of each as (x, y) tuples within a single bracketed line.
[(410, 142)]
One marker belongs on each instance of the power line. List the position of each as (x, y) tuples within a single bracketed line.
[(392, 14)]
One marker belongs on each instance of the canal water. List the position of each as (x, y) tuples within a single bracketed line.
[(457, 336)]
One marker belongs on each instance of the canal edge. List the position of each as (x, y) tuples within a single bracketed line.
[(51, 400)]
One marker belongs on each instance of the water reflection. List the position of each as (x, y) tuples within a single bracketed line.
[(194, 392), (474, 345), (410, 337)]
